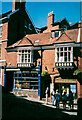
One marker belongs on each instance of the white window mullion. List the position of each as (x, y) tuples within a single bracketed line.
[(21, 57), (27, 56), (24, 56), (71, 54)]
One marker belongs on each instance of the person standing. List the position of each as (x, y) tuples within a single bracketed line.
[(57, 98), (71, 99), (53, 97), (47, 91), (64, 99)]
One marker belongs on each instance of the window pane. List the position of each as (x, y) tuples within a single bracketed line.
[(22, 58), (22, 51), (61, 53), (65, 48), (57, 49), (28, 55), (56, 34), (57, 56), (65, 56), (68, 56), (69, 48), (28, 60), (61, 49), (28, 51)]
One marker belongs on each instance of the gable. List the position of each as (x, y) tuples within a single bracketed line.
[(63, 38)]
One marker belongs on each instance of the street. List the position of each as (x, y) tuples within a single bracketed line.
[(14, 107)]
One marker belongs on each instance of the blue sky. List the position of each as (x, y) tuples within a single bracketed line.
[(38, 11)]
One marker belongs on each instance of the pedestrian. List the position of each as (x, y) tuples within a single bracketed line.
[(57, 98), (70, 99), (47, 91), (64, 99), (53, 97)]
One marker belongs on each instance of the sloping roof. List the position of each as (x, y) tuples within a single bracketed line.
[(5, 14), (59, 21), (73, 34), (63, 38), (45, 39)]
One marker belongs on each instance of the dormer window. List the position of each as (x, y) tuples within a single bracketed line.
[(55, 33)]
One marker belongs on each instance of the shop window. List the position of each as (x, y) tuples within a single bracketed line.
[(23, 81), (73, 88)]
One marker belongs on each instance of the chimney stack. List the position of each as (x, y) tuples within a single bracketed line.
[(18, 4), (50, 20)]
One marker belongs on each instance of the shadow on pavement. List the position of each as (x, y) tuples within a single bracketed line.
[(16, 108)]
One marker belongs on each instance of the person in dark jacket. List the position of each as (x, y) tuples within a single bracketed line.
[(64, 99), (70, 99), (57, 98)]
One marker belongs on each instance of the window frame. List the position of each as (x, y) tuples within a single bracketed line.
[(62, 58), (21, 56)]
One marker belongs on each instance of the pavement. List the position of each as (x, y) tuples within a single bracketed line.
[(49, 104), (22, 107)]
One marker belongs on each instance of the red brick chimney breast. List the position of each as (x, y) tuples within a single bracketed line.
[(50, 20)]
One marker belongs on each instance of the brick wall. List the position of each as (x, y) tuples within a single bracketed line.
[(11, 58), (5, 31)]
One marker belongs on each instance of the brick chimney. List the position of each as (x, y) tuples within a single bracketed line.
[(13, 7), (50, 20), (18, 4)]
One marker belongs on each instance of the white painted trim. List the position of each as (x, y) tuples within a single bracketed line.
[(2, 61), (12, 69), (1, 25), (4, 40), (3, 18), (78, 38)]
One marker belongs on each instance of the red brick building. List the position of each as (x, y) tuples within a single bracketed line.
[(57, 50)]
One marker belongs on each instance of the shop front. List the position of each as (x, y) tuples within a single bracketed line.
[(66, 85)]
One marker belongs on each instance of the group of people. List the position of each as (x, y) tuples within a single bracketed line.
[(55, 97)]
